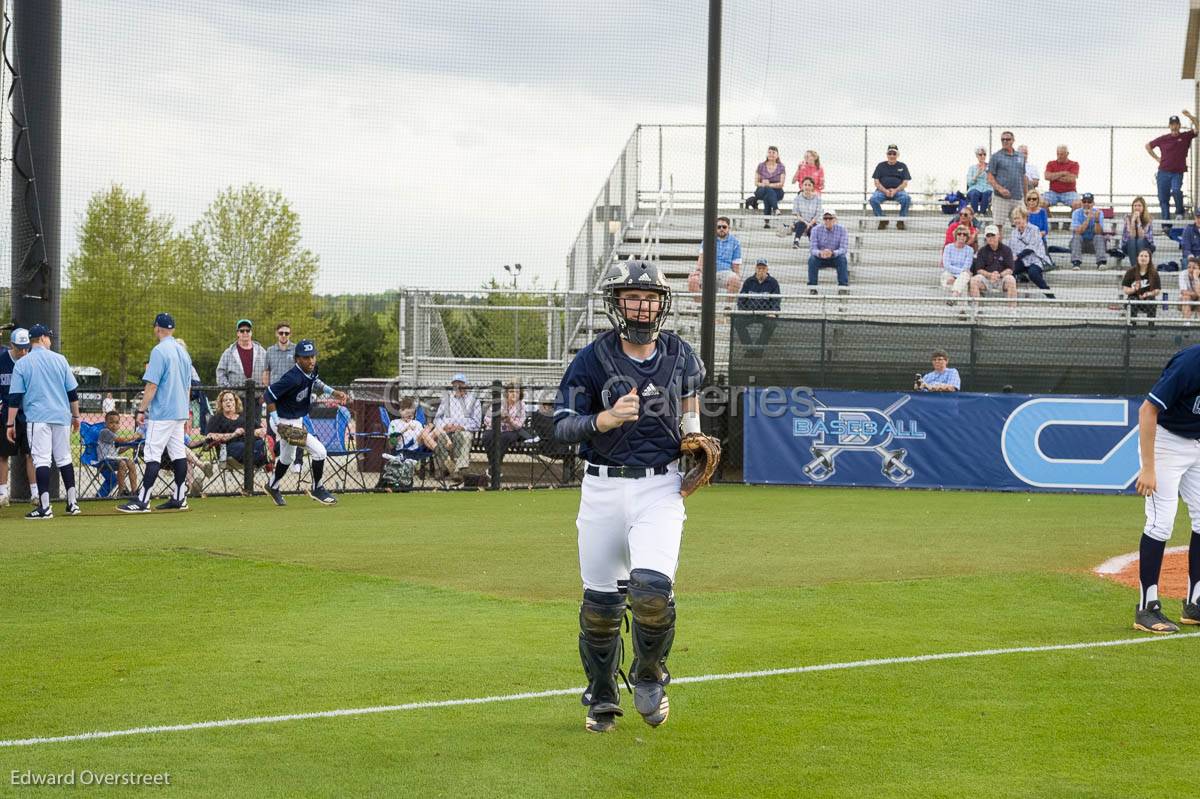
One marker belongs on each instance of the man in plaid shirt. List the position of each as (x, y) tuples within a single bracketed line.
[(457, 420)]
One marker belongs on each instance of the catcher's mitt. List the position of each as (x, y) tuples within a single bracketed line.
[(705, 452), (293, 434)]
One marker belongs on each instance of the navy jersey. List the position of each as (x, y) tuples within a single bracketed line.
[(292, 393), (602, 373), (6, 367), (1177, 393)]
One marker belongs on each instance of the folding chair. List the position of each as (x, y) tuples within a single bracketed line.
[(92, 471), (422, 454), (334, 435)]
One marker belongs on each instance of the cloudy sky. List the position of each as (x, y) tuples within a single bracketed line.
[(430, 143)]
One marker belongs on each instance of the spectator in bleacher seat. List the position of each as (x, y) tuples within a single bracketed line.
[(281, 355), (1137, 233), (1141, 283), (768, 180), (806, 210), (966, 219), (1189, 242), (406, 437), (457, 420), (1063, 174), (109, 457), (1039, 217), (979, 191), (1032, 176), (228, 426), (957, 258), (1030, 259), (810, 167), (1087, 232), (891, 179), (245, 359), (760, 293), (729, 261), (1172, 157), (992, 269), (942, 378), (512, 421), (1006, 175), (829, 244), (1189, 288)]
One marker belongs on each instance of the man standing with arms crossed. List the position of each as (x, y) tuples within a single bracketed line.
[(164, 405), (42, 385)]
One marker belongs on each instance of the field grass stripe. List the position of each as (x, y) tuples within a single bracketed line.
[(485, 700)]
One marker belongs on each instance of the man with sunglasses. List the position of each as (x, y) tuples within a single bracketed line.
[(245, 359), (1006, 174), (281, 355), (729, 261)]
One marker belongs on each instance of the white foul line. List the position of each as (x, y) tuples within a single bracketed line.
[(485, 700), (1116, 564)]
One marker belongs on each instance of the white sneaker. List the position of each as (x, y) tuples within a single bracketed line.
[(4, 502)]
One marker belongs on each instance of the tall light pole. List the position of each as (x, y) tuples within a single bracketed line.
[(515, 271)]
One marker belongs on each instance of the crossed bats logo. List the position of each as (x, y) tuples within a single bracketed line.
[(857, 430)]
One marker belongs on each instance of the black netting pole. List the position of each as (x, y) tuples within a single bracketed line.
[(496, 444), (250, 404)]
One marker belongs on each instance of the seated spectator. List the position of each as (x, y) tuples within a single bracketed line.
[(1063, 174), (829, 246), (806, 209), (979, 191), (729, 261), (406, 438), (891, 178), (942, 378), (228, 426), (1189, 242), (109, 458), (766, 291), (1137, 234), (1087, 232), (993, 266), (1189, 288), (1039, 217), (1029, 258), (811, 168), (966, 217), (1032, 177), (454, 426), (956, 263), (1141, 284), (512, 422), (768, 178)]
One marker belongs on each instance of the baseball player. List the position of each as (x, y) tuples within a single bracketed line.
[(18, 347), (165, 405), (1169, 440), (625, 398), (288, 402), (42, 385)]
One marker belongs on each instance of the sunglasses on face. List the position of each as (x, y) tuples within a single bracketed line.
[(284, 333), (1006, 138), (722, 227), (243, 330)]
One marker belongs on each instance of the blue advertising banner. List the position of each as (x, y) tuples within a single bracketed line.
[(1005, 442)]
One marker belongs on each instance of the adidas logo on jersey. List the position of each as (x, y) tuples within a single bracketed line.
[(650, 391)]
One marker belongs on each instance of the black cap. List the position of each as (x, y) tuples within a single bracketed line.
[(1088, 197), (1174, 120), (893, 149), (165, 321)]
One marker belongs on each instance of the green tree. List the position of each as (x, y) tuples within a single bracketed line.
[(481, 333)]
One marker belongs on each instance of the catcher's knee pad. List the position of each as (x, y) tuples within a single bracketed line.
[(653, 628), (600, 648)]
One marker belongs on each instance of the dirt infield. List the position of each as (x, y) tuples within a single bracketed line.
[(1172, 583)]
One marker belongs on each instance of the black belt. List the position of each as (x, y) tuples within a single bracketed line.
[(631, 472)]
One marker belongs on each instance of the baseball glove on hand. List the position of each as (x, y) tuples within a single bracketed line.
[(293, 434), (705, 452)]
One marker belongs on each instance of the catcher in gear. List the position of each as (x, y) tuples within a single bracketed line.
[(630, 399)]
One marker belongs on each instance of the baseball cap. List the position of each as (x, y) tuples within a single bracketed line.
[(245, 322), (1088, 197), (39, 330), (459, 377), (19, 338), (761, 262), (305, 347), (991, 230), (1174, 120), (829, 212), (165, 320)]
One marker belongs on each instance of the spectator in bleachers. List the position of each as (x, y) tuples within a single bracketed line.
[(891, 178), (1039, 217), (768, 180), (1087, 231), (245, 359), (1141, 282), (228, 426), (1137, 233), (806, 210), (281, 355), (993, 266), (1172, 163), (1032, 176), (811, 168), (979, 192), (942, 378), (1189, 288), (759, 293), (1006, 175), (729, 261), (956, 263), (829, 244), (110, 459), (457, 420), (1029, 251), (512, 421), (966, 218), (1063, 174), (1189, 242)]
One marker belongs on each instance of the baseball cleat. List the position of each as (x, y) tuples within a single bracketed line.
[(602, 717), (40, 513), (650, 699), (1190, 613), (73, 509), (276, 496), (173, 504), (133, 506), (1152, 620), (323, 495)]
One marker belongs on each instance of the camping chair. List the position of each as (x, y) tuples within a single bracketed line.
[(422, 454), (334, 435), (554, 462), (92, 471)]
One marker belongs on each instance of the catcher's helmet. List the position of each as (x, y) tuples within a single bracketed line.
[(633, 274)]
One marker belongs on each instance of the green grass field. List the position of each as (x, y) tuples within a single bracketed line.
[(238, 609)]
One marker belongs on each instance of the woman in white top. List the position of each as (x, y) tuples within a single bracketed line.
[(956, 263)]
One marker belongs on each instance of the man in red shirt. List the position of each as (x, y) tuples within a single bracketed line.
[(1172, 163), (1063, 174)]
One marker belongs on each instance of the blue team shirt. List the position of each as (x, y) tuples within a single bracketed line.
[(45, 378), (292, 393), (601, 373), (1177, 393), (170, 369)]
